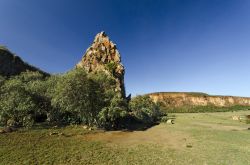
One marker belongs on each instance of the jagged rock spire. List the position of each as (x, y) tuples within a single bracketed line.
[(103, 55)]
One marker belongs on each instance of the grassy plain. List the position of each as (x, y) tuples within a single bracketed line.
[(195, 138)]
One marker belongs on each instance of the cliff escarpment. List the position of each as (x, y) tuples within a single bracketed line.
[(170, 100)]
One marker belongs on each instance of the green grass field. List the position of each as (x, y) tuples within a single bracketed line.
[(195, 138)]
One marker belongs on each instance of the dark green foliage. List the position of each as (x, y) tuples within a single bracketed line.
[(144, 109), (77, 98), (24, 99), (106, 85), (113, 116), (16, 103), (81, 97), (72, 98)]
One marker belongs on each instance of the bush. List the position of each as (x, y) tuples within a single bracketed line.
[(41, 88), (113, 116), (80, 97), (144, 109), (49, 86), (29, 91), (72, 98), (16, 103)]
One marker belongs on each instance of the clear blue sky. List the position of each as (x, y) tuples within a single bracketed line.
[(166, 45)]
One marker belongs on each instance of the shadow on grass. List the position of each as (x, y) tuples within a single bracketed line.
[(139, 127)]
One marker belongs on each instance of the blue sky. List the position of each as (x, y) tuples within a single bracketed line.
[(166, 45)]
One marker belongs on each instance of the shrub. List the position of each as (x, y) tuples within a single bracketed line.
[(49, 86), (36, 84), (106, 87), (29, 91), (144, 109), (16, 103), (79, 97), (73, 98), (113, 116)]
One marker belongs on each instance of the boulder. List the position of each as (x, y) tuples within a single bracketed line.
[(236, 117), (170, 121)]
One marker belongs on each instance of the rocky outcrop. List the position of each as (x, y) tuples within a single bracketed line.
[(103, 55), (11, 64), (197, 99)]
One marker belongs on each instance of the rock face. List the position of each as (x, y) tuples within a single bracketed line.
[(103, 55), (197, 99), (11, 64)]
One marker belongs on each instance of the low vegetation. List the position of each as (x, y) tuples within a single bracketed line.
[(72, 98), (202, 109)]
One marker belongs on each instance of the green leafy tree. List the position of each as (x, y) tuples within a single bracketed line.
[(16, 103), (144, 109), (77, 97), (22, 90), (37, 85), (53, 112), (113, 116), (106, 87)]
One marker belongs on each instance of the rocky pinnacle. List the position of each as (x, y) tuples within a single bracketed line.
[(103, 55)]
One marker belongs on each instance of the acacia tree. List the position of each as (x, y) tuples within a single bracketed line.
[(77, 97)]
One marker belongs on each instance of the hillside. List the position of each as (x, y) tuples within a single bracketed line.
[(10, 64), (196, 102)]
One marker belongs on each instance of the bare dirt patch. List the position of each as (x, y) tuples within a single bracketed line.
[(159, 135)]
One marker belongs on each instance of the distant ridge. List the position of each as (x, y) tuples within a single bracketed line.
[(195, 94), (11, 65), (170, 100)]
